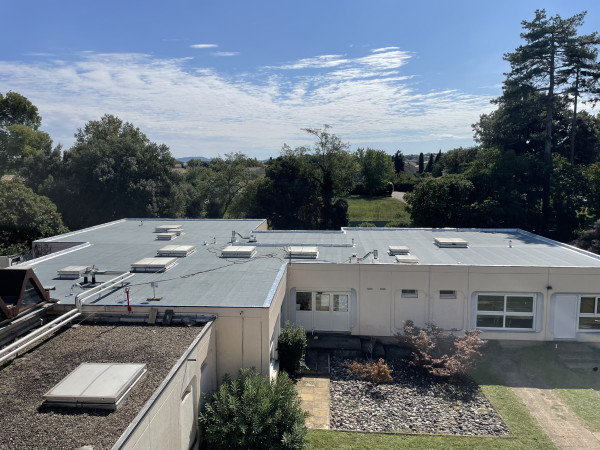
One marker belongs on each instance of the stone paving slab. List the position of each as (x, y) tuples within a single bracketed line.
[(314, 393)]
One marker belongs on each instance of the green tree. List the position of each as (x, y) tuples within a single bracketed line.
[(398, 159), (441, 202), (25, 217), (376, 168), (421, 162), (429, 166), (114, 171), (19, 134)]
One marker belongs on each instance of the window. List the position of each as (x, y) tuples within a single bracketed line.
[(340, 302), (410, 293), (447, 293), (322, 302), (510, 311), (303, 301), (589, 313)]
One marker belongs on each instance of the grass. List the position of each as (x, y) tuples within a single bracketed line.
[(579, 389), (379, 210), (526, 433)]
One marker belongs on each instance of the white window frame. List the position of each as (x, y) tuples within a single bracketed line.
[(595, 314), (505, 313), (409, 293), (447, 293), (331, 294)]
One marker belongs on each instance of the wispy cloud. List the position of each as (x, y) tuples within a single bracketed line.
[(199, 110), (225, 53), (204, 46)]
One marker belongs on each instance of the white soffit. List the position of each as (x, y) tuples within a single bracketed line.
[(157, 264), (96, 385), (446, 242), (238, 251), (311, 252), (398, 250), (176, 250), (72, 272), (407, 259)]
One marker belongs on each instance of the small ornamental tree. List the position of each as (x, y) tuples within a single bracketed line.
[(378, 372), (254, 412), (441, 354), (291, 346)]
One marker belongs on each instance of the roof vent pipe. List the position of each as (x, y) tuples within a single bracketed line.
[(233, 237), (510, 243)]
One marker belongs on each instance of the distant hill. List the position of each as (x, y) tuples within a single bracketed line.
[(187, 158)]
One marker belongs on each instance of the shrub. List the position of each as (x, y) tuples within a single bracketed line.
[(378, 372), (366, 225), (440, 353), (291, 346), (254, 412)]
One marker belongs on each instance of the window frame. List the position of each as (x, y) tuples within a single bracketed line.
[(507, 314), (595, 314)]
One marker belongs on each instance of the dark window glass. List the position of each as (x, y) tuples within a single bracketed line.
[(303, 301)]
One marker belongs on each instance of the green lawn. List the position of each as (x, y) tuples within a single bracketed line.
[(378, 210), (526, 433), (579, 389)]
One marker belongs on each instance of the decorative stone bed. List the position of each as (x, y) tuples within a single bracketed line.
[(414, 402)]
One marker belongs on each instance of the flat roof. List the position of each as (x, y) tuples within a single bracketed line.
[(206, 279), (28, 423)]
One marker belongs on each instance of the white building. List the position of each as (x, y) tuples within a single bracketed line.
[(242, 282)]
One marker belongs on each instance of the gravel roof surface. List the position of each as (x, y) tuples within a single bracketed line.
[(26, 423)]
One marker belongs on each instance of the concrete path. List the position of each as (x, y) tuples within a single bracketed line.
[(398, 195), (555, 418), (314, 393)]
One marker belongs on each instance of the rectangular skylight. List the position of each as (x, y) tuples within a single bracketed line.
[(177, 229), (407, 259), (96, 385), (238, 251), (302, 252), (180, 251), (72, 272), (157, 264), (446, 242), (166, 236), (398, 250)]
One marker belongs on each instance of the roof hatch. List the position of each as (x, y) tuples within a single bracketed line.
[(302, 252), (398, 250), (177, 229), (180, 251), (407, 259), (96, 385), (446, 242), (166, 236), (238, 251), (157, 264)]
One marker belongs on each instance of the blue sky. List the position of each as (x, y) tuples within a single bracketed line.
[(212, 77)]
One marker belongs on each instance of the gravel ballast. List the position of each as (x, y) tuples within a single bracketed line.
[(28, 424), (413, 402)]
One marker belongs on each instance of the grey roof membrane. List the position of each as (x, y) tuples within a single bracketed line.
[(205, 279)]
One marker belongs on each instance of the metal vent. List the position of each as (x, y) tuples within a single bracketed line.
[(407, 259), (302, 252), (445, 242), (180, 251), (238, 251), (153, 264), (177, 229), (398, 250), (96, 385), (73, 272)]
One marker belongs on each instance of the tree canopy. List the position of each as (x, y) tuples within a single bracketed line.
[(25, 217)]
